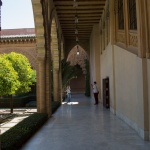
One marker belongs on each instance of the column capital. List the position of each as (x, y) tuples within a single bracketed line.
[(41, 57), (55, 69), (148, 54)]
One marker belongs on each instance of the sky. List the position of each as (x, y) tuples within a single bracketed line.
[(16, 14)]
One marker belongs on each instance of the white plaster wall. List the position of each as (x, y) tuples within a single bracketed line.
[(129, 89), (106, 62), (95, 57), (127, 80), (126, 86)]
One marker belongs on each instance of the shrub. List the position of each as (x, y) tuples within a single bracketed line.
[(15, 137), (55, 106)]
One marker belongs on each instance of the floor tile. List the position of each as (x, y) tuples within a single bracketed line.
[(80, 125)]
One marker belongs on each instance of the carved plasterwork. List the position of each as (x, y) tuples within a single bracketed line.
[(121, 37), (75, 59), (133, 40), (20, 40)]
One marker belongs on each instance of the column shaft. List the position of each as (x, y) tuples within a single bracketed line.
[(41, 86), (55, 84)]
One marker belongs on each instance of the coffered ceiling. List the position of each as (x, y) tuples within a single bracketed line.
[(88, 13)]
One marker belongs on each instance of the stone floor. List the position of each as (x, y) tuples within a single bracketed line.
[(80, 125)]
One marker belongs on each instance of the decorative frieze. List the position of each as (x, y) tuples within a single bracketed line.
[(133, 40), (121, 37), (17, 40), (75, 59)]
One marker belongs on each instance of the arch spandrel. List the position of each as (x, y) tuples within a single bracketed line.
[(75, 59)]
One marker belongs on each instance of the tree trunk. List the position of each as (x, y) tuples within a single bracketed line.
[(11, 104)]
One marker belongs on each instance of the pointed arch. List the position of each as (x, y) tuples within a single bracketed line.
[(75, 59), (40, 55)]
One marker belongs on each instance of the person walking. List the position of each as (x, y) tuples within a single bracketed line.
[(95, 92), (68, 90)]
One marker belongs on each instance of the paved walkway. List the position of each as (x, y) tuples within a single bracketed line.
[(13, 119), (80, 125)]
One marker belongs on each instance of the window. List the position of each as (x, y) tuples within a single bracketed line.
[(120, 15), (132, 15)]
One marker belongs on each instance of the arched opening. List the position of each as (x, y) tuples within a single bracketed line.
[(77, 57)]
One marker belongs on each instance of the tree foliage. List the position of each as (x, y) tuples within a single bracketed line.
[(87, 79), (26, 75), (9, 82), (69, 72)]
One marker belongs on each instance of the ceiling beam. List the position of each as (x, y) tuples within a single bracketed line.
[(89, 13), (98, 2)]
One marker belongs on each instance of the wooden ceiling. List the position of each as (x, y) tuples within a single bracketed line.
[(88, 11)]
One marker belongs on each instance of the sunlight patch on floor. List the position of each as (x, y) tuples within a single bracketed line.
[(70, 103)]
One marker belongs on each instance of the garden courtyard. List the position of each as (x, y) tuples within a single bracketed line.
[(8, 120)]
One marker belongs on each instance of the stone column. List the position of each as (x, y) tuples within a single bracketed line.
[(41, 85), (96, 52), (148, 28), (101, 40), (142, 28), (143, 52), (43, 56), (113, 40), (60, 71), (60, 86), (55, 84), (145, 99), (48, 86)]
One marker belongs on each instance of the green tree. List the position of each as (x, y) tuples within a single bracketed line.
[(26, 75), (69, 72), (87, 78), (8, 78)]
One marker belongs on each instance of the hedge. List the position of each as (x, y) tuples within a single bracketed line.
[(18, 100), (15, 137), (55, 106)]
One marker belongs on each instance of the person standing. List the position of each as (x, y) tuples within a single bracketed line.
[(68, 90), (95, 92)]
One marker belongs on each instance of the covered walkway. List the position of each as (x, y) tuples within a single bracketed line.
[(80, 125)]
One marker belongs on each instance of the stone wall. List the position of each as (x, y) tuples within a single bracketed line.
[(26, 48)]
